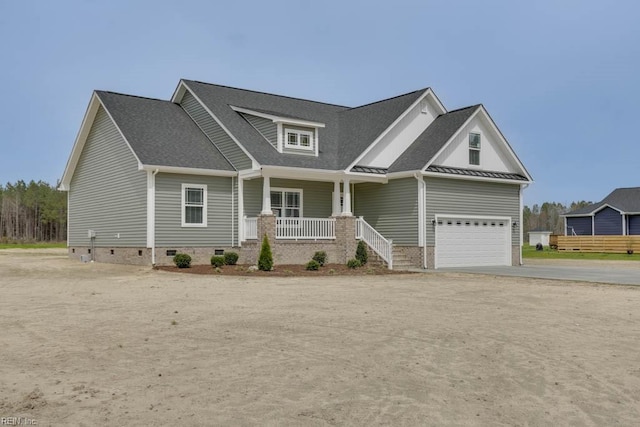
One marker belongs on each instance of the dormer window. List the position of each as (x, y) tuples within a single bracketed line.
[(299, 139), (474, 149)]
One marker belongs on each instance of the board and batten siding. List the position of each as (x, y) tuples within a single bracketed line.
[(107, 194), (608, 222), (580, 225), (221, 229), (634, 225), (316, 196), (215, 133), (392, 208), (266, 127), (473, 198)]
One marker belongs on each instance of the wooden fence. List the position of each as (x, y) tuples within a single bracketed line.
[(604, 244)]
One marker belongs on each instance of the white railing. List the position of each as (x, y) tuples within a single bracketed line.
[(250, 228), (305, 228), (375, 240)]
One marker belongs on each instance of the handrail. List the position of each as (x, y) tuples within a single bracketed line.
[(305, 228), (375, 240)]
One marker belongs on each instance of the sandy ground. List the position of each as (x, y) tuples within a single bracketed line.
[(97, 344)]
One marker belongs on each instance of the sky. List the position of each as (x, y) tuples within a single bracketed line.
[(559, 77)]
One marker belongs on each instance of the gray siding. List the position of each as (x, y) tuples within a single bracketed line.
[(215, 133), (580, 225), (107, 192), (221, 226), (316, 196), (266, 127), (392, 208), (460, 197), (608, 222)]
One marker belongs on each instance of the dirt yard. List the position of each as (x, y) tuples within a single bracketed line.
[(98, 344)]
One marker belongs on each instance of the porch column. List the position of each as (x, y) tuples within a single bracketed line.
[(346, 200), (266, 196), (335, 211)]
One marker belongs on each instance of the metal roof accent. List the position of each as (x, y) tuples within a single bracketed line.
[(474, 172), (367, 169)]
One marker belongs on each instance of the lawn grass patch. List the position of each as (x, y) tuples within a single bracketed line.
[(529, 251), (41, 245)]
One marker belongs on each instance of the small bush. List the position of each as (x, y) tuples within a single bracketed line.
[(313, 265), (230, 258), (361, 253), (217, 261), (265, 260), (354, 263), (182, 260), (320, 257)]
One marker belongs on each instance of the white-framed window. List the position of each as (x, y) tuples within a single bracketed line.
[(286, 202), (474, 148), (194, 205), (295, 138)]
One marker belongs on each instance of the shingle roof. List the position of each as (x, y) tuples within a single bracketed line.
[(474, 172), (161, 133), (626, 200), (432, 140), (347, 132)]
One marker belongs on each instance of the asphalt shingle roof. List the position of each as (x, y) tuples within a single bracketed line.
[(626, 200), (161, 133), (432, 140), (347, 131)]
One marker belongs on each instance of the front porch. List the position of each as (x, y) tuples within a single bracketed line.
[(295, 240)]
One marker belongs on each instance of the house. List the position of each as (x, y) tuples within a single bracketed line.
[(618, 214), (216, 168)]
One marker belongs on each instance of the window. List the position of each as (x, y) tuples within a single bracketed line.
[(298, 139), (286, 203), (474, 149), (194, 205)]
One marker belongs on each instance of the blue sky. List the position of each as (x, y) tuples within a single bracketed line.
[(560, 78)]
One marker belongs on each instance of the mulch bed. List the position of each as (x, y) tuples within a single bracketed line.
[(293, 270)]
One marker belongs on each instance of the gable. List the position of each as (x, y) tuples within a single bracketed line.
[(398, 137), (495, 153)]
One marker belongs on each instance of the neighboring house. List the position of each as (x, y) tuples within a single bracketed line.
[(618, 214), (216, 168)]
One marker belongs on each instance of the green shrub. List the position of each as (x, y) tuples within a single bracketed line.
[(217, 261), (320, 257), (313, 265), (354, 263), (265, 260), (361, 253), (182, 260), (230, 258)]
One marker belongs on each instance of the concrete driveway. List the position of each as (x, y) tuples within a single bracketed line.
[(613, 272)]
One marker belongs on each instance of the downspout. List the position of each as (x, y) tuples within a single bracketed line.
[(422, 218), (233, 211), (151, 214), (240, 210), (522, 188)]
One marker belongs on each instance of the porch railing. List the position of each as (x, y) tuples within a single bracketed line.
[(375, 240), (305, 228), (250, 228)]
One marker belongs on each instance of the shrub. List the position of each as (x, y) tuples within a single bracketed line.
[(217, 261), (361, 253), (320, 257), (182, 260), (265, 260), (230, 258), (354, 263), (313, 265)]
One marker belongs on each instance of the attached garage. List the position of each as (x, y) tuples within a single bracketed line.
[(469, 241)]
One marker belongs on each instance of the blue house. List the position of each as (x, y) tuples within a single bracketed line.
[(618, 214)]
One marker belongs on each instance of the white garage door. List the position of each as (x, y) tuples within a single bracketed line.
[(472, 241)]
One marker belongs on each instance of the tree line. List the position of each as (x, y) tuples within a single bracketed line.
[(547, 217), (32, 212)]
